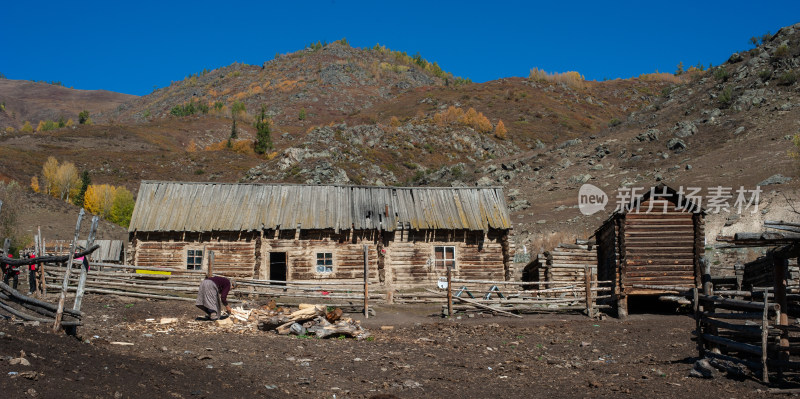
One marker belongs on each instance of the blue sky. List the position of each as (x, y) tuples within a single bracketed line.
[(131, 47)]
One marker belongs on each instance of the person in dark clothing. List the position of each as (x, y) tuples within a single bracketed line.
[(212, 292), (11, 272)]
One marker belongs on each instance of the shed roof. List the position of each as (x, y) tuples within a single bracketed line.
[(197, 207)]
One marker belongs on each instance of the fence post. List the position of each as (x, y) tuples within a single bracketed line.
[(764, 337), (85, 270), (41, 251), (210, 271), (449, 293), (65, 285), (698, 325), (780, 266), (587, 278), (366, 282)]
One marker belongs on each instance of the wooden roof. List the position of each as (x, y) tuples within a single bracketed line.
[(198, 207)]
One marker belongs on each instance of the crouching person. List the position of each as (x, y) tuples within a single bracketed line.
[(212, 292)]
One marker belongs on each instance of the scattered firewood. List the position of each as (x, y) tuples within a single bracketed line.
[(334, 315), (307, 313)]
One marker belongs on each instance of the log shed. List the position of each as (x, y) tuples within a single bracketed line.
[(657, 241)]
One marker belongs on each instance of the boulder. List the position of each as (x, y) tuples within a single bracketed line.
[(775, 179), (649, 135), (677, 145), (684, 129)]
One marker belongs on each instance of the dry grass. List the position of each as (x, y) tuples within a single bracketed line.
[(471, 118), (570, 79), (661, 77)]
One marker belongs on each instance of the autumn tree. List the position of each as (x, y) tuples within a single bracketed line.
[(35, 184), (68, 181), (500, 130), (99, 199), (50, 175), (122, 207), (263, 135), (26, 127), (12, 197)]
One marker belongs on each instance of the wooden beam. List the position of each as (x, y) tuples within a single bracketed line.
[(85, 269), (63, 297)]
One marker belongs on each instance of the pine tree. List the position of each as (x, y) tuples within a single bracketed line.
[(85, 182), (263, 136)]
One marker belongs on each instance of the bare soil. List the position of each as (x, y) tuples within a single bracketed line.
[(647, 355)]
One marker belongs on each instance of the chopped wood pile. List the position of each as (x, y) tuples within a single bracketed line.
[(308, 320)]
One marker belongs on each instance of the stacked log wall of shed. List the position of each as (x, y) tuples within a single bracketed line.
[(761, 273), (566, 263), (411, 256), (301, 255), (660, 248)]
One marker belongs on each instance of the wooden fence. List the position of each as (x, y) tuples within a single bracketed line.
[(528, 297), (756, 333)]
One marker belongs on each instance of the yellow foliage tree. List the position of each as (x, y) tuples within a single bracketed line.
[(10, 129), (121, 207), (50, 175), (192, 147), (68, 181), (35, 184), (500, 130), (99, 199), (26, 127)]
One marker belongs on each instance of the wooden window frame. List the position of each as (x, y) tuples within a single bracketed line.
[(317, 265), (441, 264), (193, 256)]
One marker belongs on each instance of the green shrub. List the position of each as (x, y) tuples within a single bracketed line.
[(218, 105), (765, 74), (726, 97), (184, 110), (721, 74), (787, 79), (302, 115), (83, 116), (238, 107), (782, 51), (614, 122)]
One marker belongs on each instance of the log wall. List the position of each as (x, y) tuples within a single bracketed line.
[(402, 258), (660, 249)]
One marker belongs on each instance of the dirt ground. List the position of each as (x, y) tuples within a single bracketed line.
[(424, 355)]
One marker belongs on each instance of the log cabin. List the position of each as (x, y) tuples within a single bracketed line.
[(654, 246), (293, 232)]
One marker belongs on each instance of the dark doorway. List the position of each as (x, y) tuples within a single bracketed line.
[(277, 266)]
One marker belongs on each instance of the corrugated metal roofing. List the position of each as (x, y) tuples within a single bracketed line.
[(193, 207)]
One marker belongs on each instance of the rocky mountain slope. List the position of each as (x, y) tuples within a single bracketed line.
[(24, 100), (372, 116), (326, 82)]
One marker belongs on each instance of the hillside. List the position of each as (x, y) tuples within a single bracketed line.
[(328, 82), (373, 116), (38, 101)]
